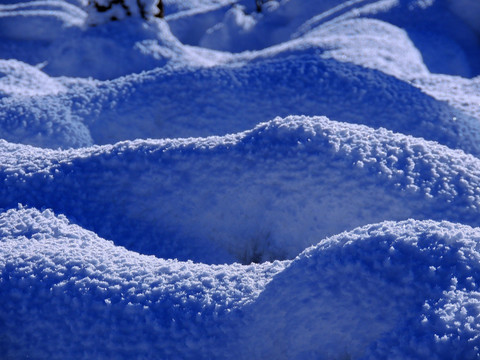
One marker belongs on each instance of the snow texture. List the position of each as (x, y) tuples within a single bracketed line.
[(295, 180), (278, 179), (396, 289)]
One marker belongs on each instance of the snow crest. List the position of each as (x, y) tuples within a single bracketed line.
[(394, 288)]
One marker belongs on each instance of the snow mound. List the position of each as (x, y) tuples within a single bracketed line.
[(260, 195), (405, 289), (370, 43), (73, 48), (38, 20), (17, 78), (39, 120), (449, 43), (193, 101), (239, 179), (97, 300)]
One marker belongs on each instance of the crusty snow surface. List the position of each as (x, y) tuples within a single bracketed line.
[(297, 183)]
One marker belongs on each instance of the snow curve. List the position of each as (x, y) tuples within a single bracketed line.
[(259, 195), (405, 289), (196, 102), (272, 179)]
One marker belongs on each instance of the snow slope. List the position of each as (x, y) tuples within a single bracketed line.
[(395, 289), (298, 182), (229, 98), (260, 195)]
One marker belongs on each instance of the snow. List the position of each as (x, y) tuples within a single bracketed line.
[(20, 79), (300, 182), (403, 289), (468, 11), (287, 172), (67, 293)]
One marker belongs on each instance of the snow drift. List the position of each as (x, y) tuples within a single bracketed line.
[(259, 195), (403, 289), (247, 180)]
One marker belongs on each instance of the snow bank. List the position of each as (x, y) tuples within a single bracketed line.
[(17, 78), (406, 290), (193, 101), (38, 20), (445, 31), (31, 112), (259, 195), (318, 211), (66, 45), (402, 289), (67, 293)]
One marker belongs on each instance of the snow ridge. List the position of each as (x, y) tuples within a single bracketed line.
[(166, 197), (413, 278)]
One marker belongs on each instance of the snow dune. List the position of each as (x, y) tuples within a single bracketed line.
[(403, 289), (259, 195), (301, 182), (227, 99)]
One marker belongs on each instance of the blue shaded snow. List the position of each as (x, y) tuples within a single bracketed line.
[(301, 182), (403, 289), (259, 195)]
